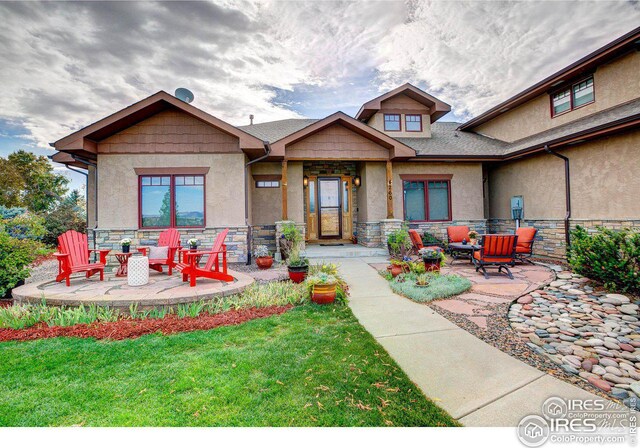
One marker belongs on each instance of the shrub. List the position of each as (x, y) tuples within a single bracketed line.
[(399, 243), (15, 257), (24, 225), (429, 239), (66, 216), (609, 256)]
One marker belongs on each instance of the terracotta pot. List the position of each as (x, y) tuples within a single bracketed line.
[(264, 262), (395, 270), (432, 264), (324, 293), (297, 274)]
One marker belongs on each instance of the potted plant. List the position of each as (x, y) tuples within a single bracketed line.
[(298, 268), (397, 267), (263, 259), (354, 238), (322, 287), (126, 245), (473, 237), (422, 280), (193, 243), (432, 258), (291, 236)]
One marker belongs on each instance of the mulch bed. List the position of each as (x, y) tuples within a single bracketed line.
[(133, 328)]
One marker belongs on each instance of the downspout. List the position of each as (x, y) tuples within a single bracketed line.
[(267, 151), (567, 186)]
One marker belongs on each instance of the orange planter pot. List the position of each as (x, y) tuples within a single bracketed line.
[(323, 294), (395, 270), (264, 262)]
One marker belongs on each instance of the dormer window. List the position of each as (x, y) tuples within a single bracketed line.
[(572, 97), (392, 122), (413, 123)]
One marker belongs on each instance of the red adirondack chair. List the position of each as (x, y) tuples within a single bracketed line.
[(190, 269), (73, 256), (169, 238)]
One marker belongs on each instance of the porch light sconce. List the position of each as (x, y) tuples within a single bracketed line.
[(305, 181), (356, 181)]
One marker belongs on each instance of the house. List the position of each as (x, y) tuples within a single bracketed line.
[(567, 147)]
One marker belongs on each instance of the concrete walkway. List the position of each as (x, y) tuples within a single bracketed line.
[(476, 383)]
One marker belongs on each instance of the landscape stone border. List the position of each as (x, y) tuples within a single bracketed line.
[(586, 331)]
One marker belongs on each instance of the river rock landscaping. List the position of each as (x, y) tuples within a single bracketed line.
[(586, 331)]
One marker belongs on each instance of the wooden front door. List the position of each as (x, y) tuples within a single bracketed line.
[(329, 207)]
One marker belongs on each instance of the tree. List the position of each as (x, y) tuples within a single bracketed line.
[(29, 181)]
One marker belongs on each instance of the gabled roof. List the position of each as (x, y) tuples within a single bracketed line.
[(447, 142), (84, 141), (397, 148), (436, 107), (581, 67), (272, 131)]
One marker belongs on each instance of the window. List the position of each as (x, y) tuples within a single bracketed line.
[(427, 200), (413, 123), (391, 122), (267, 184), (572, 97), (171, 201)]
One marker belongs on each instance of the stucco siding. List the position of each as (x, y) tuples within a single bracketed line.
[(118, 186), (614, 83), (266, 203), (372, 200), (466, 187), (604, 182), (295, 192)]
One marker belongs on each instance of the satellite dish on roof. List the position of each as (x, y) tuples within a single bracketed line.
[(184, 94)]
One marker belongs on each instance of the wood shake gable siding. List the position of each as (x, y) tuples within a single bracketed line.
[(405, 104), (337, 142), (170, 131)]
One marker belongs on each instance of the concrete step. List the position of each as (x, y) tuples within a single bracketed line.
[(347, 251)]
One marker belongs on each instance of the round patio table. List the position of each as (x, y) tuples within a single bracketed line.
[(459, 250), (123, 259)]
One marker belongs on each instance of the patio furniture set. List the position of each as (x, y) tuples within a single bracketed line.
[(74, 256), (494, 250)]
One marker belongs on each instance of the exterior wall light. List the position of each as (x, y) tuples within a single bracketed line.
[(356, 181), (305, 181)]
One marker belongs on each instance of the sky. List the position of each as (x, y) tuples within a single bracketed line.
[(68, 64)]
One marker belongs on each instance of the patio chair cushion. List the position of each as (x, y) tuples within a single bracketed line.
[(457, 233), (525, 238), (490, 259), (158, 252)]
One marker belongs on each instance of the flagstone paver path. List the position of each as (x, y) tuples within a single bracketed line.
[(475, 382)]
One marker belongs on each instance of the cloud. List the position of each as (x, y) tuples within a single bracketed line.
[(67, 64)]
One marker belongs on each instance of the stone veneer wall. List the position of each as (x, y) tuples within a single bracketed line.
[(369, 234), (236, 240), (264, 236), (550, 239), (374, 234)]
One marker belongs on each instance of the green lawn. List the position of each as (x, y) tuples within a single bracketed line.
[(312, 366)]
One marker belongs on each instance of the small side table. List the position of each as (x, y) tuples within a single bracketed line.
[(123, 259), (138, 271), (459, 250)]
